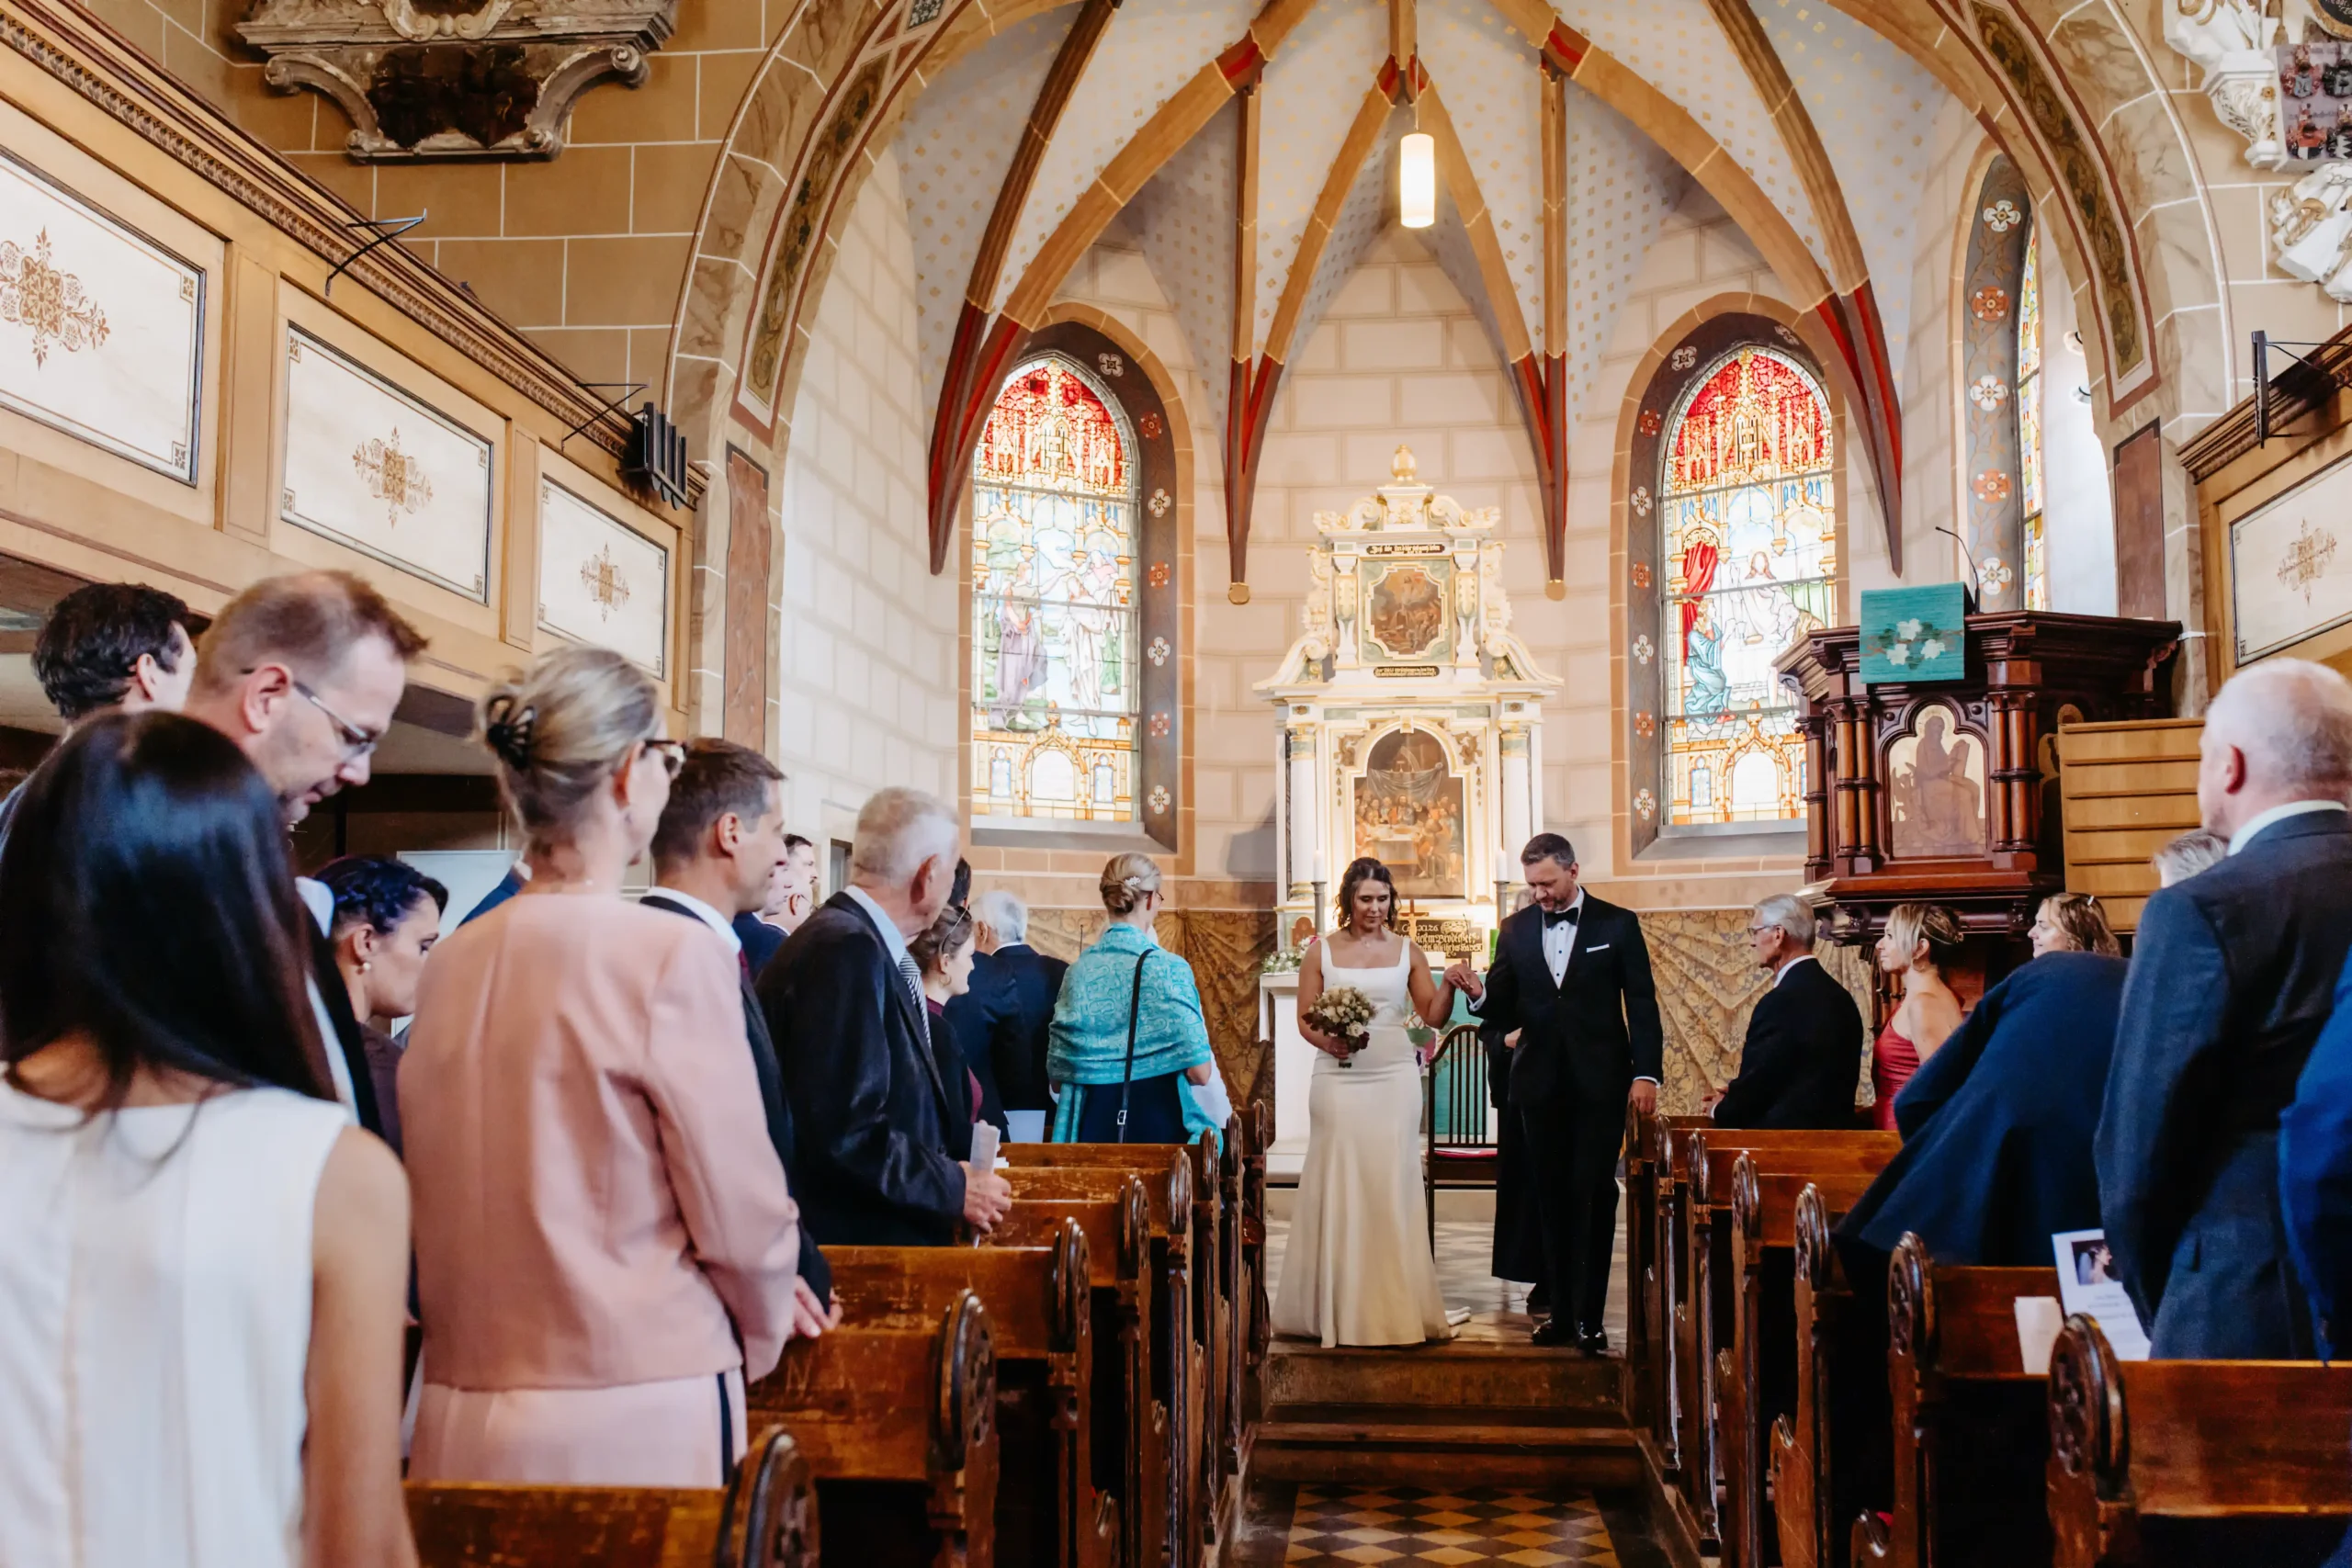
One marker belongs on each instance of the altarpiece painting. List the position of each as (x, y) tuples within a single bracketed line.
[(1408, 813)]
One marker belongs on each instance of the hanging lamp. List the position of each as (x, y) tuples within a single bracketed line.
[(1417, 172)]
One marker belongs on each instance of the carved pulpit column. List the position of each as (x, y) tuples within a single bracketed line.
[(1298, 761)]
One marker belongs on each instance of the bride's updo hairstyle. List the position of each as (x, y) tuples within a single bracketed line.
[(561, 731), (1362, 870), (1126, 879)]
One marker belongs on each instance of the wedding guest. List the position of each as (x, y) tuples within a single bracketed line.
[(203, 1266), (942, 955), (1518, 1251), (1804, 1050), (844, 1003), (605, 1246), (1007, 1015), (2191, 852), (110, 647), (2233, 974), (1128, 1030), (303, 673), (1572, 973), (387, 917), (720, 840), (1918, 941), (764, 929), (2074, 922)]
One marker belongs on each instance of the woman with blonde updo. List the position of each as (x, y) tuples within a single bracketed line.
[(1130, 1060), (1920, 941), (601, 1220)]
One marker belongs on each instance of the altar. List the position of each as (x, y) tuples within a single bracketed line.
[(1409, 727)]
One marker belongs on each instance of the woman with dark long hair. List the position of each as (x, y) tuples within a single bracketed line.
[(203, 1265), (1357, 1270)]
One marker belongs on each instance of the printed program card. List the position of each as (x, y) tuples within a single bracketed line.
[(2086, 1284)]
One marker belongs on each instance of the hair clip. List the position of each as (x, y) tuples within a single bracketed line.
[(509, 733)]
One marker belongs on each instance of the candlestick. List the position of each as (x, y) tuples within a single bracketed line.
[(1319, 886)]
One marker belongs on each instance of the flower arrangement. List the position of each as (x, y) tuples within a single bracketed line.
[(1344, 1013), (1283, 961)]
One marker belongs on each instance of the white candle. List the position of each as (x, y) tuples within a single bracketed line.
[(1317, 874)]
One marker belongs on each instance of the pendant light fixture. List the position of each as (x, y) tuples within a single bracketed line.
[(1417, 172)]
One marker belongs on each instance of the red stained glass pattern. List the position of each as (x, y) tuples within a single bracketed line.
[(1756, 419), (1049, 429)]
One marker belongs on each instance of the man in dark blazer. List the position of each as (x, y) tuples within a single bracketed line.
[(720, 838), (844, 1005), (2233, 975), (1803, 1055), (1003, 1021), (1572, 975)]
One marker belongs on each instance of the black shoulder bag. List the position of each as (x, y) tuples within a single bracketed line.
[(1127, 1073)]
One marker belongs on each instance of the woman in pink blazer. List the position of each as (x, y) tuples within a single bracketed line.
[(606, 1249)]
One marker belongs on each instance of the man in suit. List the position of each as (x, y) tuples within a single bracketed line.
[(2233, 976), (764, 928), (844, 1006), (303, 673), (1003, 1022), (1803, 1054), (1572, 975), (720, 838)]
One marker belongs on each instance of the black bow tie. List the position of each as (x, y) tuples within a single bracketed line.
[(1559, 916)]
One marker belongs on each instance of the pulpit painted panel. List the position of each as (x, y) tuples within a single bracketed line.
[(602, 581)]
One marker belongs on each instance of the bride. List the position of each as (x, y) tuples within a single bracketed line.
[(1357, 1270)]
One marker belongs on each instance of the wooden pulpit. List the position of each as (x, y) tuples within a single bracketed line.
[(1945, 792)]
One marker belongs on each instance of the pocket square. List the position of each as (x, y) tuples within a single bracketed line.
[(1598, 947)]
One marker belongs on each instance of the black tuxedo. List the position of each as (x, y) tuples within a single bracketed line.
[(1803, 1058), (1582, 1042), (871, 1166), (813, 1268), (2233, 976), (328, 979), (1003, 1024)]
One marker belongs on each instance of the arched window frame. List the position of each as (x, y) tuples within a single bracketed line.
[(1999, 225), (2034, 558), (1684, 365), (1137, 402)]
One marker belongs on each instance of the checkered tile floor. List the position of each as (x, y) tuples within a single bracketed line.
[(1330, 1525)]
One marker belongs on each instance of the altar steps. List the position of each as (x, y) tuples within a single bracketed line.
[(1474, 1412)]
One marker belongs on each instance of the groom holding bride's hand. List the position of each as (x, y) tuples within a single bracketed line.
[(1572, 975)]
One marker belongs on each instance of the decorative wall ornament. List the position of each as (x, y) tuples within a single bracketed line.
[(1642, 501), (101, 330), (600, 582), (1111, 364), (2230, 41), (456, 79), (1643, 650), (1995, 258), (374, 468), (2289, 577), (2003, 216), (1988, 392), (1989, 303)]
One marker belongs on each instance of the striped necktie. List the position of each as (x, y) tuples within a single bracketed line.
[(914, 977)]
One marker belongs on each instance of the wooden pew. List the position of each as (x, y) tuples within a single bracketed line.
[(1653, 1196), (1128, 1425), (1755, 1374), (1041, 1318), (765, 1519), (1703, 1303), (2152, 1462), (1260, 1314), (899, 1426), (1175, 1366), (1971, 1427)]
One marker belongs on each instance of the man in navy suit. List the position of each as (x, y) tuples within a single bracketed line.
[(1572, 975), (1003, 1021), (844, 1005), (1803, 1055), (2233, 975), (719, 840)]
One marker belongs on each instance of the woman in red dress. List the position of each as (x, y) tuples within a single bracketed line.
[(1920, 940)]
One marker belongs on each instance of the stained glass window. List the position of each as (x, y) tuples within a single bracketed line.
[(1751, 548), (1054, 678), (2037, 571)]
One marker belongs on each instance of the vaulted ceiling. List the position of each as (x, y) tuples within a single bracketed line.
[(1251, 149)]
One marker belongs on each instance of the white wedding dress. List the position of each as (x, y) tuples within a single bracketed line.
[(1357, 1269)]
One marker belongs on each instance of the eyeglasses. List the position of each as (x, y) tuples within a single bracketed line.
[(671, 752), (356, 742)]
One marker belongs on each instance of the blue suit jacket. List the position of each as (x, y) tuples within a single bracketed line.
[(2234, 974), (1004, 1025), (1997, 1124), (2315, 1172)]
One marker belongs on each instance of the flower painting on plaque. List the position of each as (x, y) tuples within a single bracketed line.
[(1915, 634), (602, 581)]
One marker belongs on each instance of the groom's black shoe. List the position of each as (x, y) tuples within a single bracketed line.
[(1592, 1341), (1556, 1332), (1539, 1300)]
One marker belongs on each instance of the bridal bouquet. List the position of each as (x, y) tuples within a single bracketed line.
[(1344, 1013)]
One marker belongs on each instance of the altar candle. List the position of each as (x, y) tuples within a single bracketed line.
[(1317, 874)]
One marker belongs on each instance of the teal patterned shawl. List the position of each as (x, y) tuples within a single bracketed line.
[(1089, 1030)]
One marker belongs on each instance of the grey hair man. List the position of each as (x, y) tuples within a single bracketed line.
[(871, 1110), (2234, 973), (1005, 1021), (1803, 1058)]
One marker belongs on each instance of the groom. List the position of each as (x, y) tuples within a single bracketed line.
[(1572, 975)]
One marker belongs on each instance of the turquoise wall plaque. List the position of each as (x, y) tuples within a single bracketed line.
[(1915, 634)]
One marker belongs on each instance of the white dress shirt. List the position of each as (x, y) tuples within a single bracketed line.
[(704, 913), (1792, 964), (1560, 947), (891, 941), (2262, 819)]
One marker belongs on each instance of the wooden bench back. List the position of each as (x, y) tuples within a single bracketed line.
[(1764, 1202), (1170, 1196), (1116, 1228), (1035, 1295), (1955, 1322), (766, 1519), (888, 1404), (1684, 1142)]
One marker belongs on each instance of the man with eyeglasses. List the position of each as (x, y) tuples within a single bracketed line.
[(303, 673)]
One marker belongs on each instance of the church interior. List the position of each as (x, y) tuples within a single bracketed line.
[(1256, 435)]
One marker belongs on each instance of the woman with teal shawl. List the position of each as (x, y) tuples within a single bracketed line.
[(1172, 1088)]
